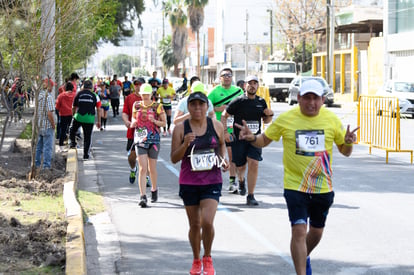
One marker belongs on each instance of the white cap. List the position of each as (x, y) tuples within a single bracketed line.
[(252, 77), (311, 86)]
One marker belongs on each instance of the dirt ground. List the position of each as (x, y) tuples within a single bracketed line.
[(27, 246)]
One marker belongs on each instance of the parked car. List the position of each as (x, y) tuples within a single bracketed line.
[(297, 82), (404, 91)]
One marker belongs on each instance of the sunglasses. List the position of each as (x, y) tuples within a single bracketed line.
[(226, 75)]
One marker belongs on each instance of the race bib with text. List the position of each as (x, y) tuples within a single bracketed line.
[(309, 142)]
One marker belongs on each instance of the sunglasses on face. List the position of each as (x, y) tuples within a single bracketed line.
[(226, 75)]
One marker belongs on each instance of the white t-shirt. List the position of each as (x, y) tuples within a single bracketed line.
[(182, 106)]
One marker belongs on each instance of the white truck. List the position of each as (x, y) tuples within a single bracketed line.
[(277, 75)]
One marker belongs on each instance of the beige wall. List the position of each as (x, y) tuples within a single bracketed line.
[(375, 65)]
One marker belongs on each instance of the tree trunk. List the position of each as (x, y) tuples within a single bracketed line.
[(35, 130), (304, 55), (198, 53), (176, 71), (3, 134)]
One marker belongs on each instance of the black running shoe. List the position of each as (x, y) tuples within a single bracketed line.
[(251, 200), (143, 201), (242, 187), (154, 195)]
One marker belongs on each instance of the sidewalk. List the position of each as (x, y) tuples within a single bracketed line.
[(13, 129)]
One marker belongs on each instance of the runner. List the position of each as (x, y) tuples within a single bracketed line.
[(103, 93), (126, 117), (196, 139), (166, 95), (147, 117), (126, 87), (308, 132), (220, 96), (252, 109)]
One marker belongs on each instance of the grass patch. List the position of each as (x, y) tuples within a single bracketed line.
[(91, 203), (29, 209), (43, 270), (27, 133)]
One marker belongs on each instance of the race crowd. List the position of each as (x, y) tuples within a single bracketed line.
[(214, 131)]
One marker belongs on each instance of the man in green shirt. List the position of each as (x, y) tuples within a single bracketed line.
[(221, 96)]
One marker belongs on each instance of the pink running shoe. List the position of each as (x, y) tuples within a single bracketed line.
[(208, 268), (197, 268)]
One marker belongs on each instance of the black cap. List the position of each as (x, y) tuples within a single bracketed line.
[(197, 96), (87, 84), (139, 80)]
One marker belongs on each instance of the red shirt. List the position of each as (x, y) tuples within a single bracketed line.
[(61, 89), (128, 104), (64, 103)]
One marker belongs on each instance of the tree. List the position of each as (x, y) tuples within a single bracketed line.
[(167, 54), (78, 26), (127, 12), (298, 56), (298, 19), (195, 12), (174, 9), (120, 64)]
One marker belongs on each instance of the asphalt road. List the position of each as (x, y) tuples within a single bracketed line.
[(369, 230)]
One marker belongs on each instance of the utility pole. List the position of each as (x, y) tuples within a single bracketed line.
[(246, 51), (163, 18), (271, 31), (328, 46), (330, 41)]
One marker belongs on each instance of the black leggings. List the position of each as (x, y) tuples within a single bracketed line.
[(87, 136), (64, 125), (115, 106)]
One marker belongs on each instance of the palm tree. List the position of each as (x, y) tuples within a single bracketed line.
[(195, 11), (174, 9), (167, 54)]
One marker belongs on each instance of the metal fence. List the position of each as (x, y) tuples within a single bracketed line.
[(379, 122)]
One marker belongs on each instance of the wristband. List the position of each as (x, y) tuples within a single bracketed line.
[(255, 138), (348, 144)]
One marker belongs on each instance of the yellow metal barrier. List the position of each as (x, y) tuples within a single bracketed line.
[(379, 121), (263, 92)]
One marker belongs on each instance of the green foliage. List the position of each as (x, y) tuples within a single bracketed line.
[(175, 10), (298, 56), (27, 132), (196, 13), (91, 203), (120, 64), (140, 72), (128, 11), (166, 53), (79, 26)]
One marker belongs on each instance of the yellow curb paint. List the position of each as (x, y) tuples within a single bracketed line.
[(75, 239)]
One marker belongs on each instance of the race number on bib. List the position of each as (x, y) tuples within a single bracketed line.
[(140, 135), (166, 100), (104, 101), (308, 142), (253, 126)]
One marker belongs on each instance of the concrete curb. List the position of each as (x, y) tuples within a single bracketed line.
[(75, 238)]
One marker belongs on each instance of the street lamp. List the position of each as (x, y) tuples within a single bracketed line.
[(271, 31)]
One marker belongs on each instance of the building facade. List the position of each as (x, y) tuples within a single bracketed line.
[(398, 39)]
